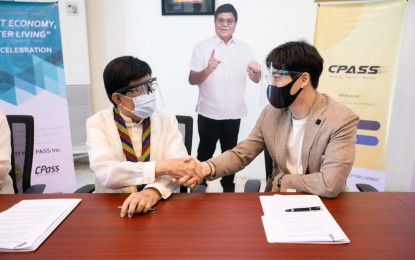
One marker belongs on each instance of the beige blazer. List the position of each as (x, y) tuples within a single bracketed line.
[(328, 150)]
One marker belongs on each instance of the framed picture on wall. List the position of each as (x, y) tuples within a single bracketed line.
[(187, 7)]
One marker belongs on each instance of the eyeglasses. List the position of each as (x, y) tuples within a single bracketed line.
[(223, 21), (145, 87)]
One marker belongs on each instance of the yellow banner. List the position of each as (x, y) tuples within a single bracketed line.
[(360, 45)]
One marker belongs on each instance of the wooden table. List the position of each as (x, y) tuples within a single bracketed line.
[(380, 225)]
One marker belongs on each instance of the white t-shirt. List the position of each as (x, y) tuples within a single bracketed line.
[(294, 146), (222, 94)]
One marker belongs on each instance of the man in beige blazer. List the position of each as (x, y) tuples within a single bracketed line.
[(311, 138)]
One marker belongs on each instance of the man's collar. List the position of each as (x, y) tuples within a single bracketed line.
[(218, 40)]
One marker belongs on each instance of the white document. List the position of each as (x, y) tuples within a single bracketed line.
[(28, 223), (314, 226)]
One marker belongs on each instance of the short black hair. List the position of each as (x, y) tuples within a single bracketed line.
[(226, 8), (299, 56), (121, 71)]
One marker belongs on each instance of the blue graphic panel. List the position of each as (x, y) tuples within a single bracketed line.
[(30, 51)]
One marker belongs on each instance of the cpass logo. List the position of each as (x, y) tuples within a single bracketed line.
[(354, 69), (47, 169)]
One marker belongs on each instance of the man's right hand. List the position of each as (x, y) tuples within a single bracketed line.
[(179, 168), (212, 63), (197, 77), (203, 170)]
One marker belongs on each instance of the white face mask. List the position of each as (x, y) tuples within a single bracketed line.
[(145, 105)]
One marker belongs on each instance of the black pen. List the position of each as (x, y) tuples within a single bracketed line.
[(150, 209), (303, 209)]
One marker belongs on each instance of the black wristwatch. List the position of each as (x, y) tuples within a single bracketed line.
[(279, 181)]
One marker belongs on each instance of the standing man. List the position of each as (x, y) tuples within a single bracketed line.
[(219, 66)]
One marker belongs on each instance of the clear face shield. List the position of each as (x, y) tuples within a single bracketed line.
[(142, 88), (278, 75), (149, 87), (280, 81)]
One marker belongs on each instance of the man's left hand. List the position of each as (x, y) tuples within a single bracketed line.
[(140, 202), (254, 67)]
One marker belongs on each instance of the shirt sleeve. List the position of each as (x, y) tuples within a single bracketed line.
[(197, 60), (173, 147), (5, 150)]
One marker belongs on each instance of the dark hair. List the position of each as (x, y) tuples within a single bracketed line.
[(121, 71), (298, 56), (226, 8)]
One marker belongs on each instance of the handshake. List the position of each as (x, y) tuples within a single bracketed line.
[(187, 171)]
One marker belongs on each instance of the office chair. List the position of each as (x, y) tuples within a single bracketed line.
[(22, 141), (186, 128), (252, 185), (362, 187), (198, 189), (269, 167), (268, 164), (88, 188)]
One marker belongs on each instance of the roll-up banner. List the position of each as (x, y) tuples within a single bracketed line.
[(32, 82), (360, 44)]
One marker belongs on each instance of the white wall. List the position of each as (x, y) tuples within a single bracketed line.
[(76, 65), (400, 171), (136, 27), (74, 42)]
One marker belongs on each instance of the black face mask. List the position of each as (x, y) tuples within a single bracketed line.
[(280, 97)]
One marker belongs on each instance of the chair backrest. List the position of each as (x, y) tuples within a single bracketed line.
[(198, 189), (268, 164), (186, 128), (365, 187), (22, 140), (252, 185)]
